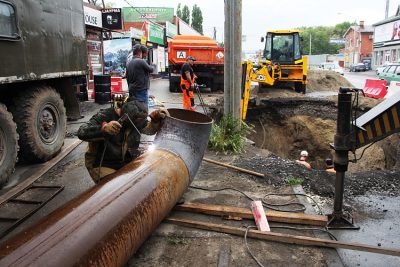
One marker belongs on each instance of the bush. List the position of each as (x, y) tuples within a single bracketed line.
[(227, 135)]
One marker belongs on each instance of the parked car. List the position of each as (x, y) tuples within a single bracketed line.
[(381, 68), (390, 73), (331, 66), (358, 67)]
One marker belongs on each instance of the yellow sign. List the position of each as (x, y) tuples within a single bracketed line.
[(143, 40)]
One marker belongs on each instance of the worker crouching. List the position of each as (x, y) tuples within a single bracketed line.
[(114, 135), (303, 160), (187, 84)]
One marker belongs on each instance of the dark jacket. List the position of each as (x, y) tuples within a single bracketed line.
[(121, 148), (138, 74)]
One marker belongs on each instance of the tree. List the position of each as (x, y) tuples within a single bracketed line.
[(186, 14), (320, 38), (179, 11), (197, 19)]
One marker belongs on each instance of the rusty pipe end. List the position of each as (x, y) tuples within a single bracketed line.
[(185, 133)]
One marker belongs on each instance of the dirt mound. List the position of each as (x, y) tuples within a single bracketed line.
[(322, 80)]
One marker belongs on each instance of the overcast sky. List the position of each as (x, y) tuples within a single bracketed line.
[(260, 15)]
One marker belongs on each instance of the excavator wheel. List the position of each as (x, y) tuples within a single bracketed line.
[(300, 87)]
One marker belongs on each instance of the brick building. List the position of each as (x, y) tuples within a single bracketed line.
[(359, 43)]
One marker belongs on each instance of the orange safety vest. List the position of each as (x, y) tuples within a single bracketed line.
[(188, 96)]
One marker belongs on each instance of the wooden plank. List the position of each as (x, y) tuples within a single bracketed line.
[(45, 168), (234, 167), (283, 238), (245, 213)]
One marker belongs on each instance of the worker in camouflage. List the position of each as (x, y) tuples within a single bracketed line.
[(114, 136)]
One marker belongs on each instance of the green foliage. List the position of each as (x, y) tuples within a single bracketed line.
[(197, 19), (186, 14), (179, 11), (227, 135), (176, 240), (320, 37), (294, 181)]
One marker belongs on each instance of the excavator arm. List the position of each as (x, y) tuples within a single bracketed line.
[(263, 73)]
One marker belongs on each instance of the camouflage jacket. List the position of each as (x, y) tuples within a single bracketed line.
[(121, 148)]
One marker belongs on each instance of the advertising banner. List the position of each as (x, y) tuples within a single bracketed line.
[(387, 32), (112, 18), (139, 14), (115, 55)]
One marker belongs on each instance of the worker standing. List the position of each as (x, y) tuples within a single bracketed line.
[(188, 83), (303, 160), (138, 75)]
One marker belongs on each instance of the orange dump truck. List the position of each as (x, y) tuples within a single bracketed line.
[(209, 64)]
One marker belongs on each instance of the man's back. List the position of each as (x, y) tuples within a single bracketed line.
[(138, 74)]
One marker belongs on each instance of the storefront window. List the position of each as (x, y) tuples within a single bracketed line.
[(8, 21)]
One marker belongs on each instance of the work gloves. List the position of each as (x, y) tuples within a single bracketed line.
[(111, 128), (158, 115)]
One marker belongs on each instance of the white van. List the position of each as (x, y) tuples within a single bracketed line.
[(331, 66)]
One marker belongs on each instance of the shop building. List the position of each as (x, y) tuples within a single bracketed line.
[(359, 44), (386, 46)]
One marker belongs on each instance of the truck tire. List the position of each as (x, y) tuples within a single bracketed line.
[(8, 144), (41, 123), (174, 86), (299, 87)]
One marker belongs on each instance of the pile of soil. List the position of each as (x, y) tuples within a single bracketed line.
[(322, 80)]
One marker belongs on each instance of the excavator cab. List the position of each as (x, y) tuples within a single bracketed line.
[(282, 47)]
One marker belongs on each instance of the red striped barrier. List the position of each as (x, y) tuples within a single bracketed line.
[(375, 88)]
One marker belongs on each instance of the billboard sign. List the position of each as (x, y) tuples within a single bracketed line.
[(155, 33), (387, 32), (112, 18), (139, 14), (116, 55)]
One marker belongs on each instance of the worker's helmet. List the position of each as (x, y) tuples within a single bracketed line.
[(304, 153)]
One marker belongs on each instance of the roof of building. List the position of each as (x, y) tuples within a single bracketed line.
[(389, 19), (357, 28)]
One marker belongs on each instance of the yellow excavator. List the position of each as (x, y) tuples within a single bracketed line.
[(281, 62)]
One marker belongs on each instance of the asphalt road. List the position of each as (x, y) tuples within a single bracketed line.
[(358, 78)]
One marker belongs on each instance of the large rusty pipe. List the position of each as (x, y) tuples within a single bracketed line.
[(108, 223)]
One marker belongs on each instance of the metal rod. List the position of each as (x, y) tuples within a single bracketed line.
[(106, 225)]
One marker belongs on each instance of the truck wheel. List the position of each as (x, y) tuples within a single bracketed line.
[(174, 87), (300, 88), (41, 123), (8, 144)]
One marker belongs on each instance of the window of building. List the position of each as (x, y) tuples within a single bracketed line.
[(8, 21), (394, 55)]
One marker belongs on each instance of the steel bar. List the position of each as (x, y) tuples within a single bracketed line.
[(105, 225)]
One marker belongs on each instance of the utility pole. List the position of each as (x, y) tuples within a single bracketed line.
[(387, 9), (232, 59), (215, 34)]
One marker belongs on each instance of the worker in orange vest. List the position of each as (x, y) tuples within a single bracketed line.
[(188, 83)]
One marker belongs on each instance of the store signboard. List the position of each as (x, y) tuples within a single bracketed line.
[(112, 18), (92, 17), (387, 32), (116, 53), (155, 33), (136, 33), (171, 29), (139, 14)]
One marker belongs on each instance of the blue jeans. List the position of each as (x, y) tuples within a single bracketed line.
[(141, 95)]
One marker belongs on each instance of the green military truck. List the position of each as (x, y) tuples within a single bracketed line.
[(42, 54)]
